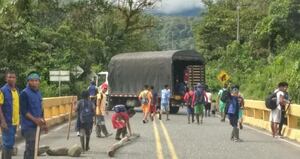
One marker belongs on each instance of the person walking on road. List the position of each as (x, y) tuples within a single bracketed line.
[(86, 109), (189, 99), (233, 113), (153, 103), (9, 113), (32, 114), (222, 101), (200, 100), (93, 91), (208, 103), (275, 115), (101, 112), (145, 98), (165, 102)]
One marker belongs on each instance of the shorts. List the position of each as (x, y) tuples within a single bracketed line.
[(275, 115), (152, 109), (222, 107), (146, 108), (165, 107), (241, 112), (100, 120), (198, 109), (207, 106), (190, 110)]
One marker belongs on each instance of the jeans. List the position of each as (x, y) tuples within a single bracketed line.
[(8, 137), (29, 135)]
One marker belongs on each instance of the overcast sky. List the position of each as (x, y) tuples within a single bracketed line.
[(177, 6)]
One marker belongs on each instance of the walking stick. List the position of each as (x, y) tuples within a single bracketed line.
[(37, 142), (70, 118), (288, 108)]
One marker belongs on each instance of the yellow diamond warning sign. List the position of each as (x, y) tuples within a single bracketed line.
[(223, 76)]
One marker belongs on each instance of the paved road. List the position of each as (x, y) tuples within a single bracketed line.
[(178, 140)]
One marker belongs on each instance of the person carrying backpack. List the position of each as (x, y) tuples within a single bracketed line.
[(200, 100), (145, 99), (233, 113), (222, 101), (275, 114), (189, 99), (86, 109)]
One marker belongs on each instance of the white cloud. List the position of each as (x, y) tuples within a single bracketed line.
[(177, 6)]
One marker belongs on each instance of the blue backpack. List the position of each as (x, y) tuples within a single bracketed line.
[(200, 96), (120, 108), (86, 113), (233, 105)]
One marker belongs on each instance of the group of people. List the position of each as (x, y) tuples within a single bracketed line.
[(91, 111), (149, 101), (21, 108)]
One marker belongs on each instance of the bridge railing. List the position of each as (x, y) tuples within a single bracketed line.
[(57, 109), (256, 114)]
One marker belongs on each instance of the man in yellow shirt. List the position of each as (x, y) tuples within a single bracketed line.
[(9, 113), (145, 98), (101, 111)]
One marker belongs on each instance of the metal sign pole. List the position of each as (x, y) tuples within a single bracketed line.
[(59, 84)]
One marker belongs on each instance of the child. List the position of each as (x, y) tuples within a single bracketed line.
[(120, 121), (86, 111), (214, 107)]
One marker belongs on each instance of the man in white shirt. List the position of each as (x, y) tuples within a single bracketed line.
[(275, 115)]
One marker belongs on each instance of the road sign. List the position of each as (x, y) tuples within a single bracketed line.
[(59, 76), (77, 71), (223, 76)]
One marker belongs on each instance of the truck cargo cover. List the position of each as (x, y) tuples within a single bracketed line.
[(129, 72)]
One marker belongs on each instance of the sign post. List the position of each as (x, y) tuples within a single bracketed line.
[(59, 76)]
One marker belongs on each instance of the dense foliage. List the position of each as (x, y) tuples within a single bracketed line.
[(268, 51), (46, 35)]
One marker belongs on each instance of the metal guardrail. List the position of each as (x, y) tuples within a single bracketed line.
[(256, 114)]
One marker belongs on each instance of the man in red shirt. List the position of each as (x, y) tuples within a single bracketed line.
[(120, 121)]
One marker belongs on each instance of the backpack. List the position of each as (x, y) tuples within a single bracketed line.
[(200, 96), (271, 101), (120, 108), (145, 97), (225, 96), (232, 106), (86, 113)]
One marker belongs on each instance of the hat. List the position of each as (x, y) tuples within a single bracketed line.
[(104, 86), (33, 76)]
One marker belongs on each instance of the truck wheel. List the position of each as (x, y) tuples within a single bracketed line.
[(174, 110)]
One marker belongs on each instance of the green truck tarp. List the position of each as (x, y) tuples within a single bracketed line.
[(129, 72)]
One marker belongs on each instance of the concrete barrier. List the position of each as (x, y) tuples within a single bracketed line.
[(256, 114)]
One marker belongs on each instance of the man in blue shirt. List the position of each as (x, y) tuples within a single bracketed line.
[(32, 114), (165, 102), (9, 113)]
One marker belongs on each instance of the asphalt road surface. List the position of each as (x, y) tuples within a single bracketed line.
[(175, 139)]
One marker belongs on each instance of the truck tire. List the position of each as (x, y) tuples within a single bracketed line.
[(174, 110)]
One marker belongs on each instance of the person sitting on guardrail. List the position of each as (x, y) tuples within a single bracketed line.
[(86, 111), (9, 113)]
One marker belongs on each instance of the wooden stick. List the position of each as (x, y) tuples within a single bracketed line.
[(70, 118), (37, 142), (126, 140)]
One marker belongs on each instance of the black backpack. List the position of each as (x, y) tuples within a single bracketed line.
[(86, 112), (271, 101), (200, 96), (225, 96)]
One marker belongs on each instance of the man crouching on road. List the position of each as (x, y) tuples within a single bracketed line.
[(9, 113), (32, 114)]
